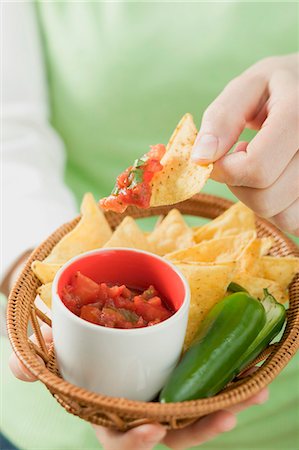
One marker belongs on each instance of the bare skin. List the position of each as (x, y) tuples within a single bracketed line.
[(264, 173), (145, 437)]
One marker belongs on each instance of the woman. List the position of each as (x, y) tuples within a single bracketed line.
[(112, 78)]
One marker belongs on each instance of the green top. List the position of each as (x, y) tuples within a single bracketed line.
[(120, 77)]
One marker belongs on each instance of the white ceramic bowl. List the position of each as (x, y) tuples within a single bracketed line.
[(130, 363)]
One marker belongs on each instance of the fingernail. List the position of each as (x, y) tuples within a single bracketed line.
[(205, 147)]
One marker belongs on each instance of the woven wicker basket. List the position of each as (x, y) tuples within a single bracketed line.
[(120, 413)]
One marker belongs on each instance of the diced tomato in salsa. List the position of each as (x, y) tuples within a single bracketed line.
[(112, 305), (155, 301), (133, 185), (149, 293), (72, 302), (150, 312), (84, 288), (91, 313)]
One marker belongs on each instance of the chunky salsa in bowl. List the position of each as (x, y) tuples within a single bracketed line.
[(121, 288), (112, 305), (119, 318)]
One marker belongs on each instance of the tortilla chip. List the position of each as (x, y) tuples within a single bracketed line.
[(265, 244), (281, 270), (208, 284), (250, 258), (255, 286), (45, 293), (228, 248), (90, 233), (45, 272), (171, 234), (236, 219), (128, 234), (180, 178)]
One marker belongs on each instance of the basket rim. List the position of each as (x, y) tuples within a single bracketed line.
[(277, 360)]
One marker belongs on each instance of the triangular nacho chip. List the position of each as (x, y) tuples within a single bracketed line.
[(265, 244), (180, 178), (281, 270), (225, 249), (45, 293), (45, 272), (208, 284), (162, 176), (255, 286), (234, 220), (251, 256), (90, 233), (171, 234), (128, 234)]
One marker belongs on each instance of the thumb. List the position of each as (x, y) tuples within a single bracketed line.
[(224, 120)]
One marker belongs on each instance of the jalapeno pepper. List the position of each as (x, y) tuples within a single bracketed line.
[(235, 287), (211, 361), (275, 319)]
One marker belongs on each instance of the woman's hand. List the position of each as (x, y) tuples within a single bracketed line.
[(264, 173), (145, 437)]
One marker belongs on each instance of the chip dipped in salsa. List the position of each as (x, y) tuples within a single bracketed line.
[(133, 186), (114, 306)]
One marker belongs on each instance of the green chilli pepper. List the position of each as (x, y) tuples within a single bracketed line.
[(235, 287), (275, 319), (222, 338)]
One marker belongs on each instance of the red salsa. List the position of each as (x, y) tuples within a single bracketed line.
[(133, 186), (112, 305)]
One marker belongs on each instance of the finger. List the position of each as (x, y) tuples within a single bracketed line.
[(19, 370), (216, 173), (274, 146), (17, 367), (144, 437), (224, 120), (256, 122), (288, 220), (257, 399), (241, 146), (279, 196), (201, 431), (47, 334)]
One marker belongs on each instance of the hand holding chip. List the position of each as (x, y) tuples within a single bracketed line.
[(228, 247), (263, 173), (145, 437)]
